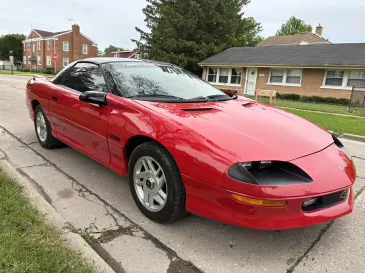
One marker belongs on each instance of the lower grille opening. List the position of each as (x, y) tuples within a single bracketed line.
[(325, 201)]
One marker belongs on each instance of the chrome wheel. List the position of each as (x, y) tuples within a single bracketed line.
[(41, 126), (150, 183)]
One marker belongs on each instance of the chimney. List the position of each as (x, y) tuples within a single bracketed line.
[(76, 43), (319, 30)]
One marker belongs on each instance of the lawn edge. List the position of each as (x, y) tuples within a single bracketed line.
[(73, 240)]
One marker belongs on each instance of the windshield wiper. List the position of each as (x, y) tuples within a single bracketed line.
[(214, 98), (155, 96)]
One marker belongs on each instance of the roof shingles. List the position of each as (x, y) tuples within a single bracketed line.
[(293, 39), (311, 55)]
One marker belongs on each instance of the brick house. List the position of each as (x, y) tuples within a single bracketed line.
[(69, 45), (310, 69), (132, 54)]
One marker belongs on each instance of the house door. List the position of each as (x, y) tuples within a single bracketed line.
[(251, 81)]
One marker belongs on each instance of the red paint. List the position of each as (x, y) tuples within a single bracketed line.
[(204, 145)]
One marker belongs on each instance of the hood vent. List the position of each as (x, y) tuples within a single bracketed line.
[(196, 109), (247, 104)]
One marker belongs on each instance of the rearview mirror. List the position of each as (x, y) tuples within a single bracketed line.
[(96, 97)]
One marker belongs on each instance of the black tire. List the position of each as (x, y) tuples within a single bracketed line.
[(50, 142), (174, 208)]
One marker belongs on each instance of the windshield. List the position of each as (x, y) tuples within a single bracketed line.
[(150, 81)]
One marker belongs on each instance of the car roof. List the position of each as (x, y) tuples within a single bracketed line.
[(102, 60)]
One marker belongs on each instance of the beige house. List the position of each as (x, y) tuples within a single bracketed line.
[(319, 69)]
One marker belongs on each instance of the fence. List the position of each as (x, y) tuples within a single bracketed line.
[(357, 98)]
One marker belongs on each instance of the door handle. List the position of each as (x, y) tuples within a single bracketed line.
[(54, 98)]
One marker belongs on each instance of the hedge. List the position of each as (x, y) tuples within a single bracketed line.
[(313, 99)]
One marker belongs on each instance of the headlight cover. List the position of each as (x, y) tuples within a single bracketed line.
[(268, 173)]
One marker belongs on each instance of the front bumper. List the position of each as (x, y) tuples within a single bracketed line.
[(216, 203)]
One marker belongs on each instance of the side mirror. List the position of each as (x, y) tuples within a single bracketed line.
[(96, 97)]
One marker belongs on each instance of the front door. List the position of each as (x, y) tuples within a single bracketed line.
[(251, 81), (80, 124)]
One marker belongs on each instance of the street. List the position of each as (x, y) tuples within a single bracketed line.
[(96, 201)]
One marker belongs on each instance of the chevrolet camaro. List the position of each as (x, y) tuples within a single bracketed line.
[(186, 146)]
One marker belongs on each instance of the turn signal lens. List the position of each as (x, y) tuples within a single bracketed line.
[(258, 202)]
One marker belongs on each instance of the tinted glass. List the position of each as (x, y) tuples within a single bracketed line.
[(85, 77), (147, 79)]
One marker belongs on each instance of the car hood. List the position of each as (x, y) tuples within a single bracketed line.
[(246, 129)]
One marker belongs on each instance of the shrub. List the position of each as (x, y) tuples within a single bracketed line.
[(25, 70), (288, 96), (48, 70), (317, 99), (313, 99)]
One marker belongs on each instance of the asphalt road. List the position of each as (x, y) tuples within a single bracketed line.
[(97, 202)]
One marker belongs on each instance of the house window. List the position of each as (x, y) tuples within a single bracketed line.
[(224, 76), (65, 46), (24, 59), (33, 47), (65, 61), (334, 77), (39, 60), (48, 60), (29, 61), (291, 77), (38, 45), (84, 49), (236, 75), (356, 78), (48, 44), (277, 76), (212, 75), (28, 45)]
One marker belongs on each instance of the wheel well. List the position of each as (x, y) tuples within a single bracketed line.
[(134, 142), (35, 103)]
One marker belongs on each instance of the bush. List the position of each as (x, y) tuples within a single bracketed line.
[(48, 70), (313, 99), (317, 99), (288, 96), (25, 70)]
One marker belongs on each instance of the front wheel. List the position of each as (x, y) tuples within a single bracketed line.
[(155, 183), (43, 130)]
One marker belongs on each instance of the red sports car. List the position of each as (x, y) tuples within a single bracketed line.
[(188, 147)]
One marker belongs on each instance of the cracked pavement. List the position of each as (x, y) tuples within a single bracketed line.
[(97, 204)]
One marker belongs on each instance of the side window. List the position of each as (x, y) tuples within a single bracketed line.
[(85, 77)]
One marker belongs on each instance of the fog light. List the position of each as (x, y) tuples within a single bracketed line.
[(258, 202), (309, 202)]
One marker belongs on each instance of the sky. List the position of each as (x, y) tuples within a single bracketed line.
[(113, 21)]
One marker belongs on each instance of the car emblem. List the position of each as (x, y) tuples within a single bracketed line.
[(340, 167), (343, 194)]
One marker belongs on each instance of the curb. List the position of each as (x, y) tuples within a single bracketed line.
[(72, 240), (353, 137)]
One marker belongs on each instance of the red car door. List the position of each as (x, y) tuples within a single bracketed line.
[(80, 124)]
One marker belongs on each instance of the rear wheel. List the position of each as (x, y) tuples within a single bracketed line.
[(155, 183), (43, 130)]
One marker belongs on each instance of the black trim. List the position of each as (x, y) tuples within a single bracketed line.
[(327, 201), (115, 137)]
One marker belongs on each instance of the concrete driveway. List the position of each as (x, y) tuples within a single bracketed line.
[(97, 202)]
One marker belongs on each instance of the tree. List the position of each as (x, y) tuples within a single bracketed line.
[(111, 48), (185, 32), (293, 26), (12, 42)]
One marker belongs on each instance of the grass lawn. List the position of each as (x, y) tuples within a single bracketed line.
[(27, 243), (338, 124), (321, 107), (19, 73)]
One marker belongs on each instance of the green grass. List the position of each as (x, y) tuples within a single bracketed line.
[(27, 243), (338, 124), (19, 73), (321, 107)]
